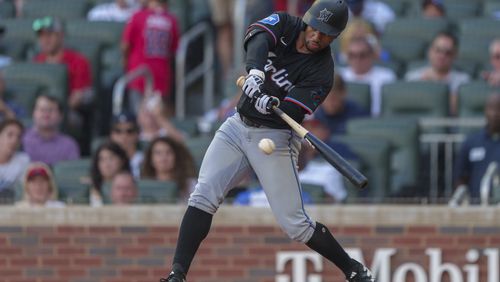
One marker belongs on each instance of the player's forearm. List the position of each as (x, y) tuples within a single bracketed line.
[(257, 49)]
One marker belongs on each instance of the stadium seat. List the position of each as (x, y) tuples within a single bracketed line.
[(415, 28), (491, 9), (486, 28), (91, 50), (317, 192), (155, 192), (108, 34), (359, 93), (197, 146), (374, 154), (181, 10), (398, 6), (18, 29), (460, 9), (188, 125), (72, 178), (52, 77), (403, 137), (415, 99), (403, 50), (7, 9), (15, 48), (472, 98), (23, 95), (66, 10)]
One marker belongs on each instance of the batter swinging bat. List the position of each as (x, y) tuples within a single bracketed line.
[(336, 160)]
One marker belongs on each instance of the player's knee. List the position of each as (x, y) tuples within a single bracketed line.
[(300, 232)]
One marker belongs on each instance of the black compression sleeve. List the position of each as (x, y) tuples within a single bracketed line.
[(257, 48), (294, 111)]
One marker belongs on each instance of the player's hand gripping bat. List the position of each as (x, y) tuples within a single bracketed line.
[(336, 160)]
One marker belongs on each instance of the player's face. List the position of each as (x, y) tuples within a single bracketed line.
[(316, 41)]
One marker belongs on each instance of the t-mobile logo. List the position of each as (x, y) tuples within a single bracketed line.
[(299, 266)]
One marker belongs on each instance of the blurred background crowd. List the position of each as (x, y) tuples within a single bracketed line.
[(115, 102)]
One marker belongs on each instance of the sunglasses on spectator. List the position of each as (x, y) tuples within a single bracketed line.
[(129, 130), (358, 55), (444, 51)]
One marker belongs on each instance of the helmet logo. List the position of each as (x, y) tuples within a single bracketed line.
[(325, 15)]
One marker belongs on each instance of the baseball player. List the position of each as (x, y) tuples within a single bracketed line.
[(289, 64)]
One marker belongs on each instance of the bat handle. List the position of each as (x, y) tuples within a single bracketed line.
[(240, 81)]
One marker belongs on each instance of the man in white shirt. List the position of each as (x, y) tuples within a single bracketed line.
[(441, 56), (362, 53)]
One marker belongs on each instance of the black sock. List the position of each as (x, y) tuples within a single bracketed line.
[(194, 228), (322, 242)]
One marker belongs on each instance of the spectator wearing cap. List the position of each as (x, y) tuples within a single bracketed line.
[(125, 132), (50, 33), (432, 9), (124, 189), (40, 189), (362, 52), (376, 12), (116, 11), (13, 163), (43, 141)]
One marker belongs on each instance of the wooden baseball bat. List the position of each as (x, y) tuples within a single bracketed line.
[(330, 155)]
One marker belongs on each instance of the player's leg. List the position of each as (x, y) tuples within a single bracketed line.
[(223, 166), (284, 195)]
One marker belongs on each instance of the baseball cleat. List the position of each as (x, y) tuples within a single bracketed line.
[(360, 273), (174, 277)]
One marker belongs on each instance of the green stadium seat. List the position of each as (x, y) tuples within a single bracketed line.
[(52, 77), (108, 34), (197, 146), (359, 93), (317, 192), (92, 51), (181, 10), (403, 137), (415, 99), (155, 192), (23, 95), (402, 49), (398, 6), (15, 48), (486, 28), (491, 9), (7, 9), (374, 154), (472, 98), (18, 29), (66, 10), (72, 178), (460, 9), (188, 125), (415, 28)]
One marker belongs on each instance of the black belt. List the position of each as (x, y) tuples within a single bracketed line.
[(249, 122)]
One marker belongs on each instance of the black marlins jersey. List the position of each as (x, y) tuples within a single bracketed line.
[(297, 79)]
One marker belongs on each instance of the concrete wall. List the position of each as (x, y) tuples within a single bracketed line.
[(114, 244)]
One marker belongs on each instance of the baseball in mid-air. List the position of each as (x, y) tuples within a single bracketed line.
[(267, 146)]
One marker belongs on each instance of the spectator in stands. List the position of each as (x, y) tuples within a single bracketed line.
[(337, 109), (480, 150), (4, 59), (40, 189), (50, 33), (43, 141), (433, 9), (12, 162), (124, 189), (492, 76), (107, 161), (6, 111), (441, 56), (376, 12), (150, 39), (153, 122), (355, 28), (315, 170), (117, 11), (362, 53), (125, 132), (168, 160)]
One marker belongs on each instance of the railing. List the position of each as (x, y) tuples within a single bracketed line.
[(449, 140), (121, 84), (205, 69)]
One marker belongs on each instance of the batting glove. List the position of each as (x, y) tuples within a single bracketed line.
[(253, 81), (265, 103)]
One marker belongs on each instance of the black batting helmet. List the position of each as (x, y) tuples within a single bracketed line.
[(328, 16)]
